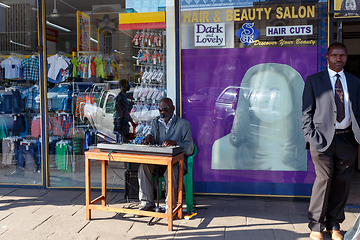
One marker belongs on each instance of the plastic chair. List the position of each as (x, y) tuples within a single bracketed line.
[(188, 182)]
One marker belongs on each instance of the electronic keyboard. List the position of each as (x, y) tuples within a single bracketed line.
[(141, 149)]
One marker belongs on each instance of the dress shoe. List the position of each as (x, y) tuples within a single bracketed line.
[(146, 206), (316, 235), (335, 235)]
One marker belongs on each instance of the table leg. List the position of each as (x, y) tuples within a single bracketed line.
[(180, 190), (87, 187), (170, 195), (103, 182)]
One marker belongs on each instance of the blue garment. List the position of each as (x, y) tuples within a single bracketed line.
[(19, 126), (12, 67), (17, 102), (30, 68), (5, 101), (11, 101), (28, 155)]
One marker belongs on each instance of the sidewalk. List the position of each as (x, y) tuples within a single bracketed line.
[(60, 214)]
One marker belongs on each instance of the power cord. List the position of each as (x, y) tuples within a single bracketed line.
[(124, 180)]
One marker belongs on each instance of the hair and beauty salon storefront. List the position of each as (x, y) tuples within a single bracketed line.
[(235, 70)]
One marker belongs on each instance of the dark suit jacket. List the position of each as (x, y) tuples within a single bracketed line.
[(319, 109)]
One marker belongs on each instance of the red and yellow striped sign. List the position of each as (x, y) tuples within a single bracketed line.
[(147, 20)]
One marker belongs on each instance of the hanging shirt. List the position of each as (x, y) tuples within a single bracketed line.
[(31, 94), (93, 66), (86, 67), (30, 68), (12, 67), (57, 63), (99, 67), (75, 63)]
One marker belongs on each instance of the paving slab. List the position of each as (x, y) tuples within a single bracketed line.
[(59, 209), (23, 206), (72, 236), (16, 234), (252, 234), (60, 196), (5, 191), (23, 221), (59, 224), (104, 225)]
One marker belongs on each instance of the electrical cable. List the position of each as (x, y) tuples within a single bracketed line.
[(124, 180)]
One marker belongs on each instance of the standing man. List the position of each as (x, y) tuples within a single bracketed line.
[(167, 130), (331, 116)]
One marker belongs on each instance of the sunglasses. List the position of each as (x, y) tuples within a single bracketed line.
[(164, 109)]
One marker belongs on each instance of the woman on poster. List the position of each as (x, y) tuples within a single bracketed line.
[(266, 132), (350, 5)]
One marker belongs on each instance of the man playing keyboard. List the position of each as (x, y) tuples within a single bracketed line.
[(166, 130)]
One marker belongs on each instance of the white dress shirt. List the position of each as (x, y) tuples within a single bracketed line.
[(167, 126), (346, 122)]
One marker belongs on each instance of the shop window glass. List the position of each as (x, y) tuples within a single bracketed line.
[(19, 86), (103, 59)]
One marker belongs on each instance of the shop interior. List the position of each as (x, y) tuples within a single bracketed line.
[(82, 104)]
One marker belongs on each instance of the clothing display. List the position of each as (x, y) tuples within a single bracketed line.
[(35, 126), (30, 68), (30, 94), (62, 125), (52, 148), (57, 64), (11, 101), (29, 155), (83, 102), (63, 155), (100, 66), (12, 67), (10, 150)]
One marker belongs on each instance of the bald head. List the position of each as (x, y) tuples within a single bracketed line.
[(167, 100)]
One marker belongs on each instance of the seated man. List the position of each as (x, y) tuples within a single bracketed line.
[(168, 130)]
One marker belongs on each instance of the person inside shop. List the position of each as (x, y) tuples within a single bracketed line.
[(331, 117), (166, 130), (121, 115), (266, 132), (350, 5)]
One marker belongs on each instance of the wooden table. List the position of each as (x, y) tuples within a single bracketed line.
[(169, 161)]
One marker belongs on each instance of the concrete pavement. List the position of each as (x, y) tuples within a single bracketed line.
[(60, 214)]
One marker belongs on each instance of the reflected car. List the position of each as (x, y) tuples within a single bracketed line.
[(203, 97), (225, 107), (102, 118)]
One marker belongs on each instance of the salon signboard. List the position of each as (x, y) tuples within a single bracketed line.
[(209, 34), (289, 30)]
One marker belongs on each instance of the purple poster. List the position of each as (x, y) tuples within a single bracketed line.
[(244, 106)]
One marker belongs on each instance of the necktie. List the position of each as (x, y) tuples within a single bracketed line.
[(339, 99)]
